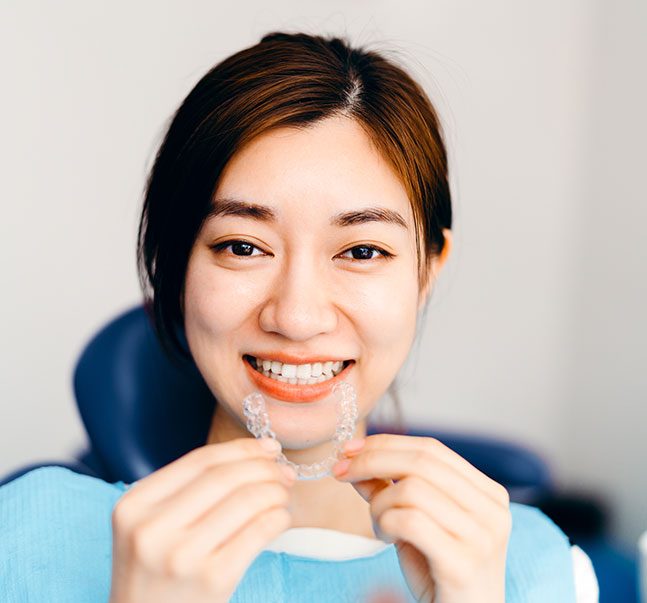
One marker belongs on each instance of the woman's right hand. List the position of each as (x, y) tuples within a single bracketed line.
[(189, 531)]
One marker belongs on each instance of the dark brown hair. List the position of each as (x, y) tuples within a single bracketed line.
[(286, 80)]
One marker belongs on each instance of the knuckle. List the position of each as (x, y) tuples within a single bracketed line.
[(240, 473), (199, 457), (367, 459), (276, 493), (175, 565), (249, 446), (122, 515), (144, 545), (283, 496), (386, 522), (374, 505), (434, 446), (408, 488), (503, 494), (505, 524), (271, 470), (421, 460), (260, 468), (394, 521), (277, 520)]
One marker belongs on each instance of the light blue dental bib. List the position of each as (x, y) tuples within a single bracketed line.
[(56, 546)]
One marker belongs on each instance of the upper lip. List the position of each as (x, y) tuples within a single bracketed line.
[(296, 359)]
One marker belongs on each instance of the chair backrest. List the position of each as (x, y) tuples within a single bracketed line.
[(142, 411)]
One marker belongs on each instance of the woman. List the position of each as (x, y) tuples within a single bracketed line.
[(296, 219)]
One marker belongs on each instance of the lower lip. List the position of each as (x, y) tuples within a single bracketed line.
[(294, 393)]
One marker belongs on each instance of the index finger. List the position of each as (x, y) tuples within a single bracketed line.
[(179, 473), (435, 448)]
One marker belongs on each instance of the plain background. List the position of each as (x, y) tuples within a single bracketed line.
[(536, 331)]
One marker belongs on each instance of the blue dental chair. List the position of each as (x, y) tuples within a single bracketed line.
[(141, 411)]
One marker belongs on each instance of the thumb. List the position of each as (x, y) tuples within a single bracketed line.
[(368, 488)]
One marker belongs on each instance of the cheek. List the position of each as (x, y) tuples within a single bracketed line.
[(387, 322), (216, 304), (387, 328)]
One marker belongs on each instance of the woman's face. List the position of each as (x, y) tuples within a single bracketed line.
[(308, 258)]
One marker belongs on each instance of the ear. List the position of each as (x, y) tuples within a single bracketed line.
[(435, 266)]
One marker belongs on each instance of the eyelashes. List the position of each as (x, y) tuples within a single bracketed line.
[(370, 249), (360, 253), (243, 246)]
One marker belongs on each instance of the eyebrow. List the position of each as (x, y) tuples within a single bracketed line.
[(368, 214), (225, 206)]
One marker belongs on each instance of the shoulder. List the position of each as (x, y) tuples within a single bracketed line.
[(56, 477), (50, 498), (48, 488), (53, 498), (55, 535), (539, 564), (531, 523)]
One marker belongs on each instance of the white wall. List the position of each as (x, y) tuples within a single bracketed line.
[(537, 329)]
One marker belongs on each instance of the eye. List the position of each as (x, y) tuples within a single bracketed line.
[(366, 252), (238, 248)]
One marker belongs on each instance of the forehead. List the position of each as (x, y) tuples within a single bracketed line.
[(329, 166)]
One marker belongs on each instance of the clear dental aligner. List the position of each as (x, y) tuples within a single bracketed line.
[(258, 423)]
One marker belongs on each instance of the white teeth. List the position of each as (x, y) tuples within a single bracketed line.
[(298, 374), (289, 370), (303, 371)]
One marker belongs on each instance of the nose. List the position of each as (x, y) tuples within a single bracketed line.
[(300, 303)]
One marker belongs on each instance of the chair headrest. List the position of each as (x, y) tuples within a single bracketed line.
[(141, 410)]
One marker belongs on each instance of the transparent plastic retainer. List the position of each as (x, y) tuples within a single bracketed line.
[(258, 423)]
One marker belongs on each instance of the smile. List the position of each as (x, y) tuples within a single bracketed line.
[(296, 382), (298, 374)]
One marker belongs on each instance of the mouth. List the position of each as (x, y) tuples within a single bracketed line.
[(296, 382)]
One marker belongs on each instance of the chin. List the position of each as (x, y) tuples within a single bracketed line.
[(299, 427)]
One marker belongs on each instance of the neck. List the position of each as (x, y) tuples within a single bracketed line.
[(323, 503)]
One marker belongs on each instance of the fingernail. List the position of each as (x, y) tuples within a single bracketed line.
[(341, 467), (289, 473), (270, 445), (354, 446)]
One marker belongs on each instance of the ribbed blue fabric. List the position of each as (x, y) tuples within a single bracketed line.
[(56, 545)]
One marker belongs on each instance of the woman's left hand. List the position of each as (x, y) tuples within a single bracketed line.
[(449, 522)]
